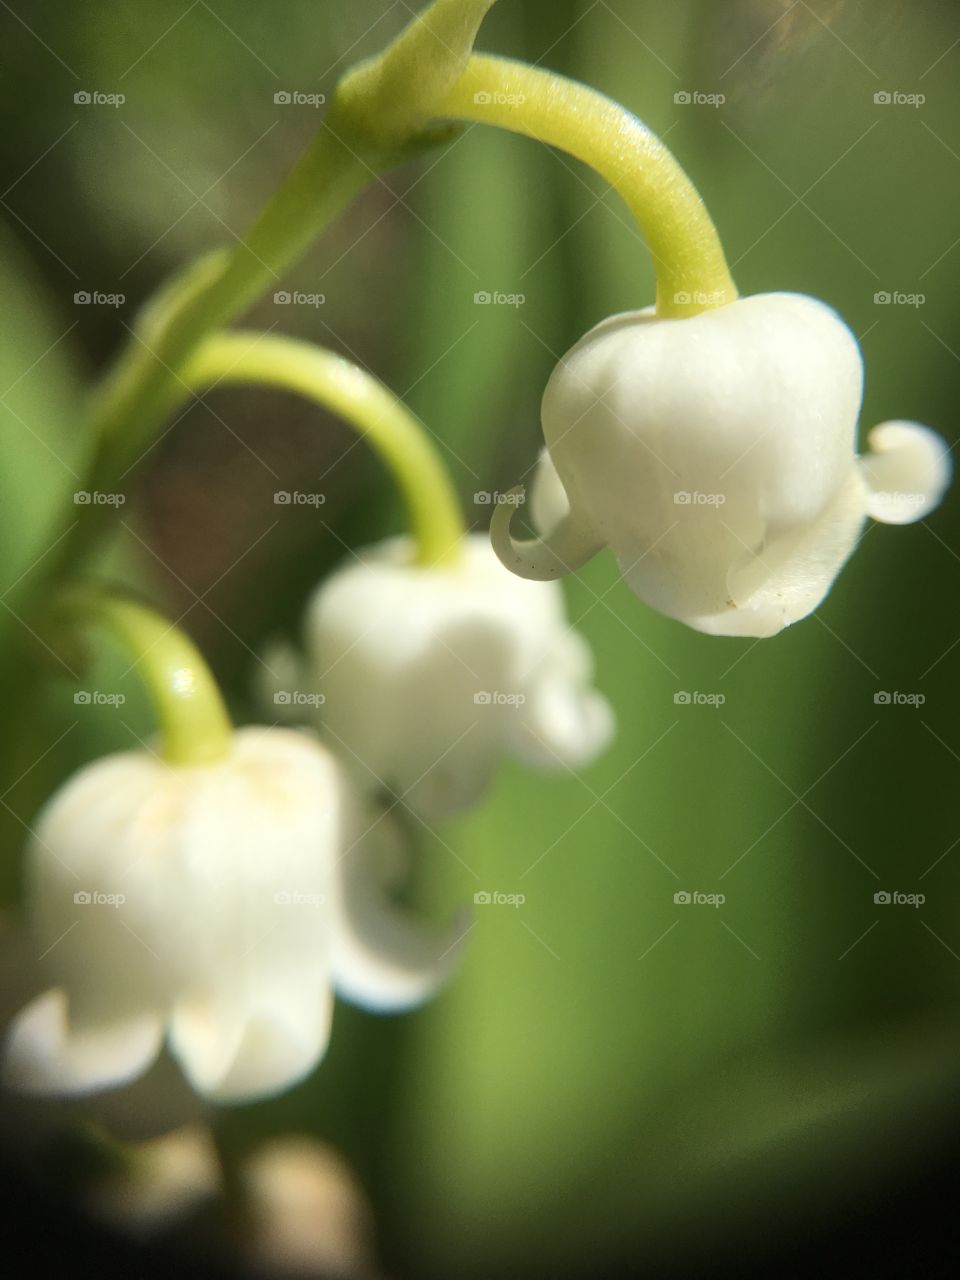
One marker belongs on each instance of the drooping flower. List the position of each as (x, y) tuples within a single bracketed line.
[(715, 456), (428, 675), (218, 904)]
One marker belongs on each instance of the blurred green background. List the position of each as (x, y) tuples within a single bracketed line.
[(611, 1069)]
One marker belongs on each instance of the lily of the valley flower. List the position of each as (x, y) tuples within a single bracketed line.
[(218, 904), (430, 674), (715, 455)]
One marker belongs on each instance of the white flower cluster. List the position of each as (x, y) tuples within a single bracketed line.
[(226, 902), (216, 907)]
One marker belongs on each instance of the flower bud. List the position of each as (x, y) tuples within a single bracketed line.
[(715, 456), (429, 675), (217, 904)]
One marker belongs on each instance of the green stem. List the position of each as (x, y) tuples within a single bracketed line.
[(692, 273), (391, 429), (380, 117), (195, 727), (146, 385), (395, 94)]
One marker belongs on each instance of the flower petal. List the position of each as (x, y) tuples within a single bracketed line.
[(384, 958), (422, 667), (907, 471), (564, 721), (549, 504), (47, 1053), (686, 443), (789, 578), (569, 544), (240, 1054)]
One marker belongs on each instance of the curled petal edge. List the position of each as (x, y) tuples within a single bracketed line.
[(384, 958), (568, 546)]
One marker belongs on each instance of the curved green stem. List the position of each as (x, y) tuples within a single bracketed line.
[(379, 118), (692, 273), (390, 428), (195, 727), (395, 94), (383, 113)]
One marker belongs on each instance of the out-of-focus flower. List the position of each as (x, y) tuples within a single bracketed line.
[(305, 1214), (424, 677), (217, 903), (157, 1103), (715, 456), (160, 1181)]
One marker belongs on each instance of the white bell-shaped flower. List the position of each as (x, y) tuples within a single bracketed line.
[(217, 904), (715, 456), (424, 677)]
